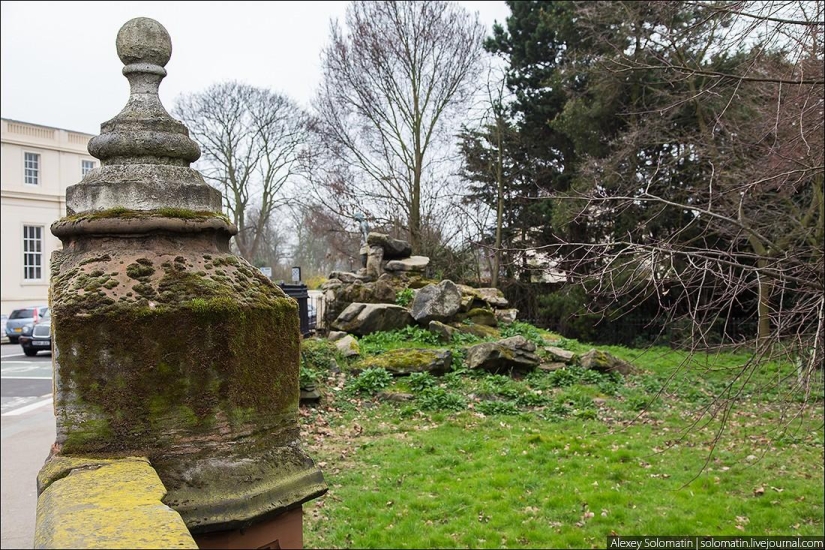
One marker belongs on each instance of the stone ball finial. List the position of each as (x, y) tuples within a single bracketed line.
[(144, 40)]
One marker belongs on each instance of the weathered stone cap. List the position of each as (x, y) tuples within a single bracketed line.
[(103, 503), (144, 153)]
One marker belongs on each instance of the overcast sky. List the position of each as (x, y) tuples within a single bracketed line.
[(60, 68)]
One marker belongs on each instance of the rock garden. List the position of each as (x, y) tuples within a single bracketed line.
[(442, 420)]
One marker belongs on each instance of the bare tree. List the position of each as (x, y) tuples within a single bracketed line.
[(720, 167), (485, 164), (393, 82), (251, 140)]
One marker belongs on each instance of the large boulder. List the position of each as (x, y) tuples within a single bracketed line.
[(402, 362), (436, 302), (362, 319), (492, 297), (480, 316), (375, 256), (413, 264), (481, 331), (346, 277), (335, 335), (560, 355), (444, 332), (604, 362), (511, 353), (348, 346), (506, 315), (393, 248), (338, 295)]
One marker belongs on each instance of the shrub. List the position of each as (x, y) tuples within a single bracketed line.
[(532, 399), (318, 354), (439, 399), (370, 381), (419, 381), (307, 377), (497, 407), (315, 282), (404, 297), (497, 384), (464, 339), (569, 307)]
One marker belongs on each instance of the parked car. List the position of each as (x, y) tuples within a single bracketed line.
[(4, 339), (37, 337), (19, 318)]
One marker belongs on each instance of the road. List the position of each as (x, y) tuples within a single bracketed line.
[(28, 431)]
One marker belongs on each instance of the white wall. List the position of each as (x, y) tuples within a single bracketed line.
[(61, 153)]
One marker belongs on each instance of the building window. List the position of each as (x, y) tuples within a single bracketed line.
[(32, 253), (86, 167), (31, 164)]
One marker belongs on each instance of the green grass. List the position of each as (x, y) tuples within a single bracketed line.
[(564, 459)]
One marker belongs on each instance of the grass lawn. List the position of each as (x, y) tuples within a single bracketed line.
[(563, 459)]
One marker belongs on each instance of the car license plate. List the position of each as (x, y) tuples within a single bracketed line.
[(18, 329), (40, 343)]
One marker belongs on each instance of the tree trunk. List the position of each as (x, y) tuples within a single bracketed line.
[(500, 209)]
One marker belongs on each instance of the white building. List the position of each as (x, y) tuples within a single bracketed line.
[(38, 164)]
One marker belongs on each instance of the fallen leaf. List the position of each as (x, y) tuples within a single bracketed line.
[(759, 491)]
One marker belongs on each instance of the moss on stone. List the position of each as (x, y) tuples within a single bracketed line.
[(406, 361), (102, 258), (114, 504), (481, 331), (120, 212), (139, 270)]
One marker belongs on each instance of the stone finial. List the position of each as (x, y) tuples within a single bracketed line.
[(144, 40), (143, 131), (145, 153)]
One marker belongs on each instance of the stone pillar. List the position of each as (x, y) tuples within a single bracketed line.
[(374, 258), (166, 345)]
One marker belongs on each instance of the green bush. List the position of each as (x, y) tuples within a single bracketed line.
[(497, 384), (439, 399), (568, 307), (318, 354), (419, 381), (404, 297), (307, 377), (370, 381), (464, 339), (532, 399), (497, 407)]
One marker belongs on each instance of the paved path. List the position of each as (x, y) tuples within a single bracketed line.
[(28, 431)]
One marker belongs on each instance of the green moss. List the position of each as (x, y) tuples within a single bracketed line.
[(103, 258), (120, 212), (139, 270), (159, 385), (405, 361), (481, 331), (145, 290)]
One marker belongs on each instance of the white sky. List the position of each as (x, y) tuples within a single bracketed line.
[(59, 65)]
